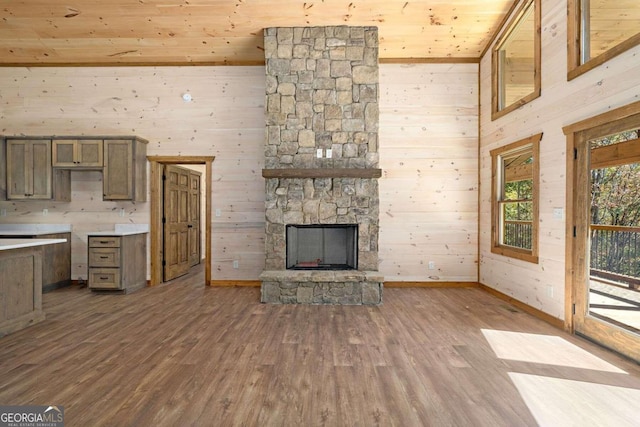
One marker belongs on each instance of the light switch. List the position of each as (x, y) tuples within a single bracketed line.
[(558, 213), (319, 153), (329, 152)]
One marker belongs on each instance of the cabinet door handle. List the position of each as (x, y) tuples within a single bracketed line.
[(190, 226), (103, 278), (104, 257), (104, 242)]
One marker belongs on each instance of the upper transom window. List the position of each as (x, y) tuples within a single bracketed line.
[(516, 61), (598, 30)]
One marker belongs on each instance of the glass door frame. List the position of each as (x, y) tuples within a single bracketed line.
[(577, 317)]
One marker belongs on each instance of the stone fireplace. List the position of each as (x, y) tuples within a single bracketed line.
[(321, 166)]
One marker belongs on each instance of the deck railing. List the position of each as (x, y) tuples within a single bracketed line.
[(518, 234), (615, 254)]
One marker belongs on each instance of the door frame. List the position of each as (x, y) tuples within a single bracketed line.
[(577, 225), (157, 165)]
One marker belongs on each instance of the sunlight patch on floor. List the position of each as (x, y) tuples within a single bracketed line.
[(561, 402), (545, 349)]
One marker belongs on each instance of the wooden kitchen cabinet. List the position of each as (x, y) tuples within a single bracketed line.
[(117, 262), (27, 173), (125, 169), (77, 153), (56, 262), (29, 169), (38, 168), (56, 259), (20, 287)]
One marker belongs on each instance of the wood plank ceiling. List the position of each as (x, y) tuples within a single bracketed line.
[(128, 32)]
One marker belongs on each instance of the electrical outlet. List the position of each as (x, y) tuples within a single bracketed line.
[(3, 212), (45, 212), (236, 264), (218, 213), (121, 213), (432, 265), (550, 291)]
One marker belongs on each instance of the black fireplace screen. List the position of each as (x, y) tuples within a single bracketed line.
[(322, 247)]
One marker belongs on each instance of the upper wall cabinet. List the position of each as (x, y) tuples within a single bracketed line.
[(26, 173), (29, 169), (77, 153), (38, 168), (125, 172)]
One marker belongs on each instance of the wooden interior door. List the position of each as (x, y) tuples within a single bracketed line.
[(176, 222), (194, 218)]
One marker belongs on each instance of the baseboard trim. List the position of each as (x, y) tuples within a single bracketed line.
[(235, 283), (431, 284), (553, 321)]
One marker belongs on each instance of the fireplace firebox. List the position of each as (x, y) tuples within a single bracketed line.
[(322, 247)]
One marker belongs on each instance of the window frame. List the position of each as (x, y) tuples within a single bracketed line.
[(575, 67), (497, 184), (507, 30)]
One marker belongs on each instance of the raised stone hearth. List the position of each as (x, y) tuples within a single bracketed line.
[(321, 157), (322, 287)]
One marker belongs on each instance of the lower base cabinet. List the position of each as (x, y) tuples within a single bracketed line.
[(20, 289), (117, 262), (56, 259)]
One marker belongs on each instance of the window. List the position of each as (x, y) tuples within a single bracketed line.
[(598, 30), (516, 61), (514, 229)]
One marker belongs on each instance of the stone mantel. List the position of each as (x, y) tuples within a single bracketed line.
[(322, 173)]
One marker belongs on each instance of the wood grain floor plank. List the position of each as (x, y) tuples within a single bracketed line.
[(185, 354)]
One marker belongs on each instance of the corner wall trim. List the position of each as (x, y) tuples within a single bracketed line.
[(553, 321)]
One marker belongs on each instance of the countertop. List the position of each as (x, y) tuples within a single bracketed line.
[(6, 244), (114, 233), (122, 230), (33, 229)]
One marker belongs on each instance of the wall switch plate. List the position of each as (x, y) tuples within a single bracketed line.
[(550, 291), (45, 212), (3, 212), (558, 213), (218, 212), (432, 265), (121, 213), (236, 264), (329, 153), (319, 153)]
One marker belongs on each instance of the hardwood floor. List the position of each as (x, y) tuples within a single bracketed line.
[(182, 354)]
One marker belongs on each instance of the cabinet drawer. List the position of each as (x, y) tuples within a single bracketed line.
[(104, 242), (104, 257), (104, 278)]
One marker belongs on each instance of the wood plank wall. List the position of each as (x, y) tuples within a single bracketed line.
[(428, 146), (429, 159), (604, 88), (225, 119)]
